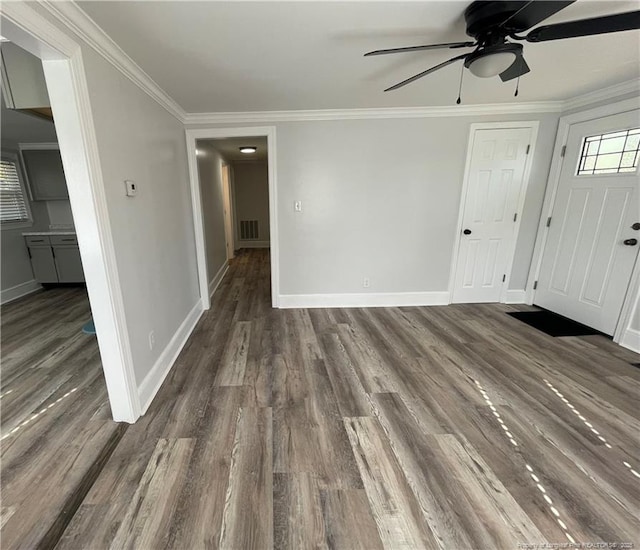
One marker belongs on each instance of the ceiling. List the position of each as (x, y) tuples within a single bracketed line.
[(229, 148), (262, 56)]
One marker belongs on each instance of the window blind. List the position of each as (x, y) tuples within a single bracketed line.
[(13, 206)]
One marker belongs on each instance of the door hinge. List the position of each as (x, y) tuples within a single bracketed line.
[(528, 149), (535, 285), (504, 278), (548, 221), (564, 150), (515, 216)]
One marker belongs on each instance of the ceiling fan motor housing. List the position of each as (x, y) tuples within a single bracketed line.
[(485, 17)]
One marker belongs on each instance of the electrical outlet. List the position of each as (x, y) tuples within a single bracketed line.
[(297, 206), (366, 283), (152, 339)]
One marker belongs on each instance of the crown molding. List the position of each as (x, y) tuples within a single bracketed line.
[(610, 92), (74, 18), (385, 112)]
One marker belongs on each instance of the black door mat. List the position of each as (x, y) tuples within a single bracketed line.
[(552, 323)]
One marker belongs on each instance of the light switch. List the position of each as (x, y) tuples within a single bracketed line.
[(297, 206), (131, 187)]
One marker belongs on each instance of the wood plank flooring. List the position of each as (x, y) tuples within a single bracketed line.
[(454, 427), (373, 428), (56, 422)]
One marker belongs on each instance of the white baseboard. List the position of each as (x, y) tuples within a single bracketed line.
[(253, 244), (152, 382), (18, 291), (631, 340), (516, 297), (217, 278), (385, 299)]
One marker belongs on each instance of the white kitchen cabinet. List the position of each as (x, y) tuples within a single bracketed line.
[(55, 258), (43, 265), (45, 173), (23, 82)]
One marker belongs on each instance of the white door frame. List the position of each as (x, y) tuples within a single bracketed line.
[(533, 126), (549, 202), (67, 86), (192, 135)]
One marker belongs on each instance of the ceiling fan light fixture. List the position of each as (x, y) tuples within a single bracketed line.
[(491, 64), (248, 150)]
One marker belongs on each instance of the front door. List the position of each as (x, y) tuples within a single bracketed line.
[(592, 245), (495, 180)]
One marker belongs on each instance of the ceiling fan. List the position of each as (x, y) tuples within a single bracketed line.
[(492, 23)]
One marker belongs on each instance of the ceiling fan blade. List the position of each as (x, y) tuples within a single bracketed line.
[(586, 27), (420, 48), (425, 73), (532, 13), (518, 68)]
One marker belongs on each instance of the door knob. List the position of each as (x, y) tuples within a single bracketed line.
[(636, 226), (467, 231), (630, 242)]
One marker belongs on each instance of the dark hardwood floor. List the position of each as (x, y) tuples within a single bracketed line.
[(56, 423), (454, 427), (445, 427)]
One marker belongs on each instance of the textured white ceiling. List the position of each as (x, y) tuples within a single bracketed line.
[(255, 56)]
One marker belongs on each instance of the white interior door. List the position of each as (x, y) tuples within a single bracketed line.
[(494, 185), (586, 266), (226, 204)]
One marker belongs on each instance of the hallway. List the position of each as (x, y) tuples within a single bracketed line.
[(440, 427)]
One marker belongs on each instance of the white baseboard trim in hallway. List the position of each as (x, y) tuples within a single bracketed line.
[(152, 382), (18, 291), (253, 244), (217, 279), (385, 299), (516, 297), (631, 340)]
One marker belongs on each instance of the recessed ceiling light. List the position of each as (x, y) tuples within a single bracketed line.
[(248, 150)]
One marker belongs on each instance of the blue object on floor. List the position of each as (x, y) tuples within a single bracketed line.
[(89, 328)]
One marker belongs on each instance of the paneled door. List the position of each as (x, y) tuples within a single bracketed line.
[(594, 228), (494, 185)]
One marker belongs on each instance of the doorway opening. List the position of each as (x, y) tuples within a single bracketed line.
[(61, 385), (234, 201), (233, 175)]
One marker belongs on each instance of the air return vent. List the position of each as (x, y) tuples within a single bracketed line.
[(249, 230)]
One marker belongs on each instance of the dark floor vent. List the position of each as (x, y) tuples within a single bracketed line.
[(249, 230)]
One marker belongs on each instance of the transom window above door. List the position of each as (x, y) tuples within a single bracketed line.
[(612, 153)]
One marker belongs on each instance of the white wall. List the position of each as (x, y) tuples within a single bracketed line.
[(380, 200), (152, 232), (251, 192), (210, 173)]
